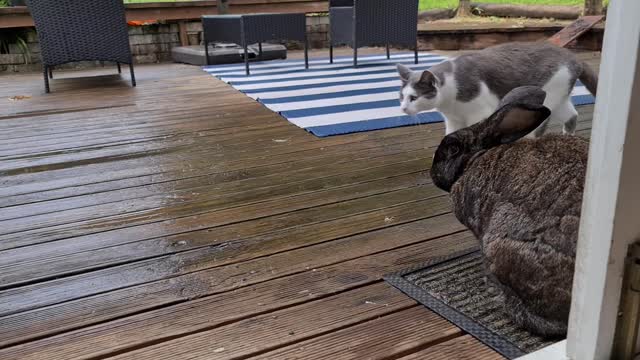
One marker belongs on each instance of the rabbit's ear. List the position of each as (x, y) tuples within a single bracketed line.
[(520, 112), (405, 72)]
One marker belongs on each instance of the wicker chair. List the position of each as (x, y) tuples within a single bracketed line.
[(81, 30), (359, 23)]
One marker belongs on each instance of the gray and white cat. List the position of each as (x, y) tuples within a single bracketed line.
[(468, 89)]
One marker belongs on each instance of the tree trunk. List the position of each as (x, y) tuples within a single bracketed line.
[(529, 11), (223, 7), (464, 8), (593, 7)]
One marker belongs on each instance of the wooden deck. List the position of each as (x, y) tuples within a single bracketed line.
[(182, 220)]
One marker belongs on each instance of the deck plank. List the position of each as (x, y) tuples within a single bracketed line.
[(461, 348), (387, 337), (276, 328), (405, 175), (280, 328), (25, 218), (196, 274), (191, 182), (151, 223), (111, 330), (60, 183), (272, 234)]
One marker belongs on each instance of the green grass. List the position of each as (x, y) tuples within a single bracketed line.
[(450, 4), (146, 1)]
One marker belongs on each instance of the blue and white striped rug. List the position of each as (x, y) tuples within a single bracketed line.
[(333, 99)]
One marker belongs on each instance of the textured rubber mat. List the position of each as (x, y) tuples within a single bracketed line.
[(455, 288)]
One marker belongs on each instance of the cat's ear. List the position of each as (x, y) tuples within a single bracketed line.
[(427, 77), (520, 112), (427, 80), (405, 72)]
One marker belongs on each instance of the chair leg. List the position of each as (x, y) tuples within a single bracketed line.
[(306, 53), (246, 59), (330, 53), (416, 53), (355, 57), (133, 75), (50, 72), (46, 79), (260, 50), (388, 52), (119, 68), (206, 51)]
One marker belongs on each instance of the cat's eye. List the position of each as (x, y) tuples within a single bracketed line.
[(413, 98)]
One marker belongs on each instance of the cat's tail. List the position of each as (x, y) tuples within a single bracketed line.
[(589, 78)]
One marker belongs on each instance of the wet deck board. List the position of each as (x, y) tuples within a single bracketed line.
[(186, 316), (461, 348), (181, 218), (574, 30)]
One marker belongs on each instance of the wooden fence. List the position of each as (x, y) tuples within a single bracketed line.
[(11, 17), (14, 17)]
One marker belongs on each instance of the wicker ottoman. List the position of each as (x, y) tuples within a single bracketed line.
[(255, 28)]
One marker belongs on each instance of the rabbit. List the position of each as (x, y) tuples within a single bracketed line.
[(521, 198)]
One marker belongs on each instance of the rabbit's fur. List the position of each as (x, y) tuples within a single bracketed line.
[(522, 200)]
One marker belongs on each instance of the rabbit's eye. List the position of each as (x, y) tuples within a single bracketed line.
[(413, 98), (454, 150)]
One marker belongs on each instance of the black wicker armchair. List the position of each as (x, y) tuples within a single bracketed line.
[(359, 23), (81, 30)]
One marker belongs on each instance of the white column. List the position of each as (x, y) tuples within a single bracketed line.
[(610, 218)]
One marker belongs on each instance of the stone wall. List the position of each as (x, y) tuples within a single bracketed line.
[(153, 43), (17, 61), (318, 31), (150, 44)]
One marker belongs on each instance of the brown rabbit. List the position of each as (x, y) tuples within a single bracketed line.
[(522, 200)]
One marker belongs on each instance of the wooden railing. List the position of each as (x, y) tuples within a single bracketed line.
[(11, 17)]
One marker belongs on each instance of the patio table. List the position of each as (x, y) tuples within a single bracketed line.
[(254, 28)]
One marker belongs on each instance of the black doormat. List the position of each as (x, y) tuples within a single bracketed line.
[(455, 288)]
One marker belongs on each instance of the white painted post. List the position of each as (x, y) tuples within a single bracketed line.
[(610, 218), (556, 351)]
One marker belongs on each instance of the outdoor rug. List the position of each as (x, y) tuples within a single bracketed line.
[(455, 288), (333, 99)]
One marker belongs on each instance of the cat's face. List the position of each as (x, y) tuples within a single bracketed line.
[(419, 91)]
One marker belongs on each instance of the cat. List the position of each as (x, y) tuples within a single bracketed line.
[(468, 88)]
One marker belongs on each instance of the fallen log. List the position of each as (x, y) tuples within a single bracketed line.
[(529, 11), (437, 14)]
